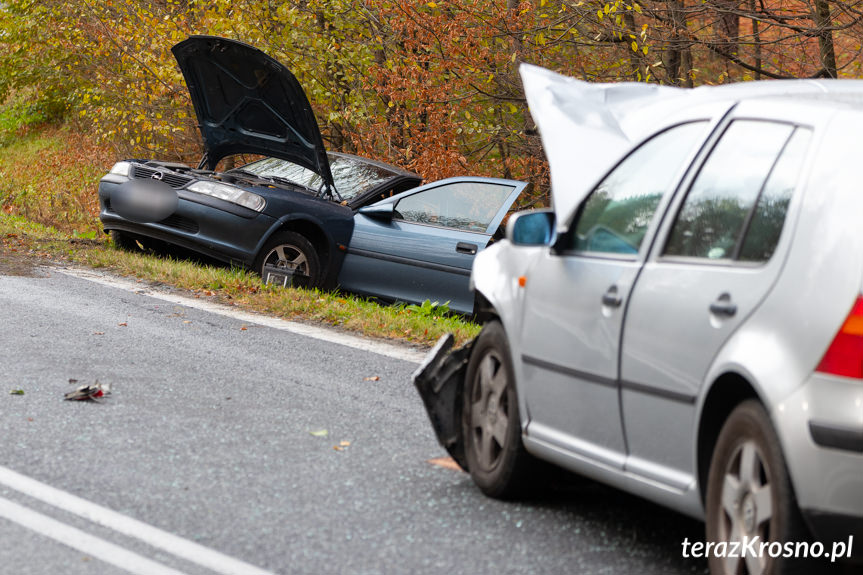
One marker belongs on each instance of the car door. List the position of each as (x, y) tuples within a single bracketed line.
[(421, 244), (715, 265), (576, 295)]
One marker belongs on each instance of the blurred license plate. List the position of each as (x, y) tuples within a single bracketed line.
[(278, 276)]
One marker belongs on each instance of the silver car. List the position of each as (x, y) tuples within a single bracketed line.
[(687, 323)]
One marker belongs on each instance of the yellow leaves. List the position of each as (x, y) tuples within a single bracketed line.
[(634, 46), (432, 5)]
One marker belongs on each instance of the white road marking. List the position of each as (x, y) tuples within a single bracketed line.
[(77, 539), (188, 550), (401, 352)]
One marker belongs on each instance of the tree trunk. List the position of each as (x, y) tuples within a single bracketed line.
[(825, 38)]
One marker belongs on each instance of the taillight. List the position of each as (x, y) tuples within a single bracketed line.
[(845, 354)]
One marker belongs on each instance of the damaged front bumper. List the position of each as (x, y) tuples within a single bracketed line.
[(440, 383)]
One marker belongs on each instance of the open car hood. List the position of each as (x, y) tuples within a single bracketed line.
[(584, 127), (247, 102)]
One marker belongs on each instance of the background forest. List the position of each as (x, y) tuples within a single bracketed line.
[(431, 86)]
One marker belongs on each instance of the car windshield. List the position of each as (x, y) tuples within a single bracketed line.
[(352, 176)]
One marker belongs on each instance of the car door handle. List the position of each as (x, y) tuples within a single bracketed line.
[(611, 299), (465, 248), (723, 306)]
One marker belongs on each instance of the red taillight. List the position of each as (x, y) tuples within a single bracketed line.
[(845, 354)]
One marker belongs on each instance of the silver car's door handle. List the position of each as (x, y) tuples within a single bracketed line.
[(465, 248), (723, 306), (611, 299)]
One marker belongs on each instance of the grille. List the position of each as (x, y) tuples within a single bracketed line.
[(180, 223), (170, 178)]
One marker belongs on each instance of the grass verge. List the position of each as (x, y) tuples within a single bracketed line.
[(36, 243)]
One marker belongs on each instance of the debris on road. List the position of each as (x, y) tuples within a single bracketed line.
[(320, 433), (16, 392), (91, 392), (372, 378)]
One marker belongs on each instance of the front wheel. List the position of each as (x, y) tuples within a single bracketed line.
[(749, 495), (291, 252), (491, 426)]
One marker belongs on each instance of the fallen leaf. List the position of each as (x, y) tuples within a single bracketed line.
[(446, 463), (320, 433), (372, 378), (73, 381), (337, 448), (98, 333), (186, 321), (16, 392), (244, 328), (345, 443), (124, 324)]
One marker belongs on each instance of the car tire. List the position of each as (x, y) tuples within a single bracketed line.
[(491, 426), (749, 494), (125, 241), (290, 249)]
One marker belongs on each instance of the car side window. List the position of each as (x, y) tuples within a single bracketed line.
[(618, 212), (469, 206), (717, 208), (772, 206)]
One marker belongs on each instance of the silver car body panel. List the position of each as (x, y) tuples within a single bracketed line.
[(674, 350)]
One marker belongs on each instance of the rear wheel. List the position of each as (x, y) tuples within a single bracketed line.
[(749, 495), (291, 252), (497, 460)]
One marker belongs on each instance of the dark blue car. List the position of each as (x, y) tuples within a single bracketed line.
[(301, 215)]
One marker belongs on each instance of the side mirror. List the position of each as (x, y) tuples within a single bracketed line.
[(535, 228), (383, 212)]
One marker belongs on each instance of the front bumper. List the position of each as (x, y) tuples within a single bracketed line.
[(226, 232), (440, 383)]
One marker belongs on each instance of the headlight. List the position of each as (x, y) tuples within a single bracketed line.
[(121, 169), (228, 193)]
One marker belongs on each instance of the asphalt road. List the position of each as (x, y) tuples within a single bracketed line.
[(208, 438)]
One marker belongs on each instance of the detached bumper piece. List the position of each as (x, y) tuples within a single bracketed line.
[(440, 383)]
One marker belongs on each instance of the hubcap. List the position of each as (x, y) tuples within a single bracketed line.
[(489, 411), (747, 506), (288, 257)]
